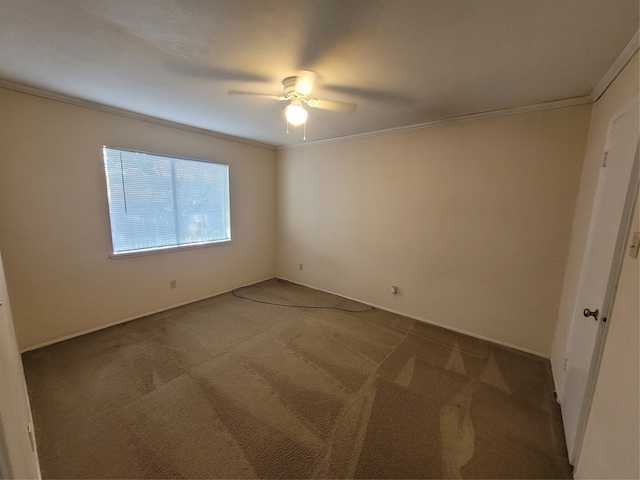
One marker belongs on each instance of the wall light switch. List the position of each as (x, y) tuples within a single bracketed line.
[(635, 245)]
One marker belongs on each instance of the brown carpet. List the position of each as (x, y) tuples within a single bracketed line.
[(229, 388)]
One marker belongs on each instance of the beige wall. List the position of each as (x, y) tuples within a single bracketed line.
[(54, 221), (618, 95), (611, 444), (470, 220)]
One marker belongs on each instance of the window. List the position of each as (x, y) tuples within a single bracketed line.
[(158, 202)]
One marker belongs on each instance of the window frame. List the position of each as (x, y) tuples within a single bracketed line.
[(167, 248)]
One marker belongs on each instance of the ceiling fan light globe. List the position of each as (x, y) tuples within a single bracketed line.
[(295, 114)]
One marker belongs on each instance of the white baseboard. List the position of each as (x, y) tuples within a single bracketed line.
[(424, 320), (135, 317), (413, 317)]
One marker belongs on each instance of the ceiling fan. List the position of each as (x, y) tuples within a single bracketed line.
[(297, 90)]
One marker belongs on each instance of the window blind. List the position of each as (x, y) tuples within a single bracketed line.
[(159, 202)]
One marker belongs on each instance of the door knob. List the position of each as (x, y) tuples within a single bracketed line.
[(588, 313)]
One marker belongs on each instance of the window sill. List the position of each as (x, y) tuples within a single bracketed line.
[(173, 248)]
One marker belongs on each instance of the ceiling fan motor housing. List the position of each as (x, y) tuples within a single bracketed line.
[(289, 84)]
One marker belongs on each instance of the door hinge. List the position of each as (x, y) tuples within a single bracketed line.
[(604, 160)]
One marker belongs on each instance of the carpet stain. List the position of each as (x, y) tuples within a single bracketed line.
[(263, 446), (401, 439), (351, 378), (316, 409), (345, 443), (455, 362), (491, 376), (457, 435), (152, 463), (406, 374)]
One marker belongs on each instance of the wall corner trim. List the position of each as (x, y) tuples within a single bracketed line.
[(566, 102), (61, 97), (617, 67)]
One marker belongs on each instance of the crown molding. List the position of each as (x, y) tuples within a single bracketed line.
[(60, 97), (568, 102), (625, 56), (621, 62)]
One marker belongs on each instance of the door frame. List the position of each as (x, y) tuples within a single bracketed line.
[(612, 282)]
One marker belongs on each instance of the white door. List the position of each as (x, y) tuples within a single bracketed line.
[(609, 220), (18, 457)]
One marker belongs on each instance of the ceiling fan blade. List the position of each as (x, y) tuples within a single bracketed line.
[(256, 94), (304, 81), (331, 105)]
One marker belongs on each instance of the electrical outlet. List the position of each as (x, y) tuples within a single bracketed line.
[(173, 284), (268, 266), (394, 289)]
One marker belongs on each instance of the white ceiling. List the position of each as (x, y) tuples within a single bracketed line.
[(403, 62)]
